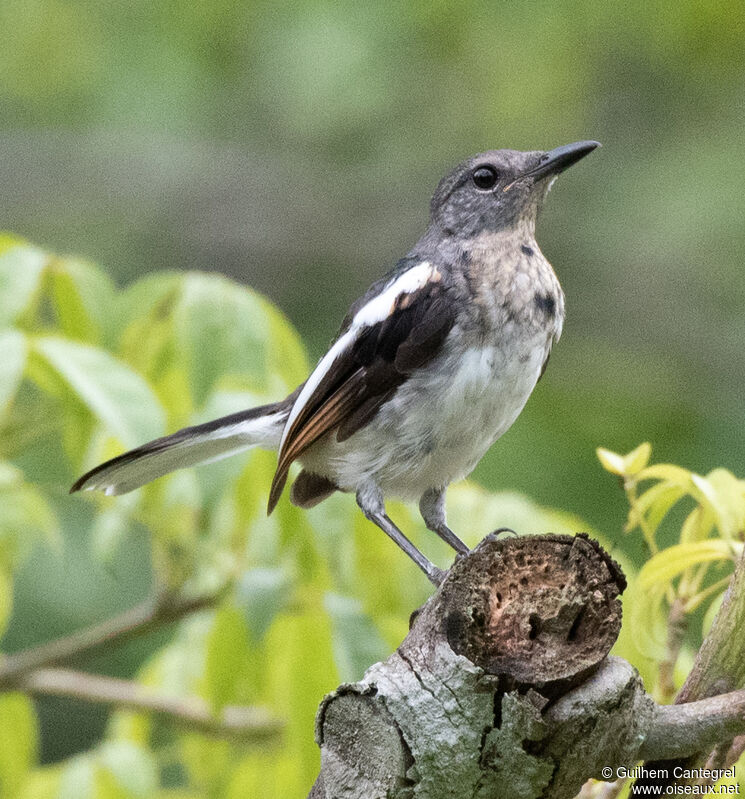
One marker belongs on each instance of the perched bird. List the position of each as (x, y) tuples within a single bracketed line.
[(431, 366)]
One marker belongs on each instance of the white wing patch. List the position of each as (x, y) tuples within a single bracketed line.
[(380, 307), (376, 310)]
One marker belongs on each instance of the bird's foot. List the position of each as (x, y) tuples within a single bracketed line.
[(437, 575)]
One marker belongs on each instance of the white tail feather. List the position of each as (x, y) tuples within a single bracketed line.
[(188, 447)]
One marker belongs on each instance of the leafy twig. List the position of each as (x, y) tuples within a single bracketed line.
[(136, 621), (236, 722)]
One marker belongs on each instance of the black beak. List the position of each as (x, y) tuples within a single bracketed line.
[(556, 161)]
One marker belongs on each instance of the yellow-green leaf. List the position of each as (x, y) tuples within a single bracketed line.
[(357, 642), (233, 320), (611, 461), (637, 459), (133, 768), (18, 742), (668, 564), (651, 507), (226, 654), (41, 783), (647, 617), (78, 779), (697, 525), (728, 502), (6, 598), (21, 271), (13, 350), (299, 672), (84, 299), (261, 593), (9, 240), (25, 515), (710, 615)]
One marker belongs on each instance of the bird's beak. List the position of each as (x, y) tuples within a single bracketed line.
[(556, 161)]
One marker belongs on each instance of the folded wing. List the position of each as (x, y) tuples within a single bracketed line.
[(397, 327)]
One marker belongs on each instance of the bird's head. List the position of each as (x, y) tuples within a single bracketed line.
[(500, 188)]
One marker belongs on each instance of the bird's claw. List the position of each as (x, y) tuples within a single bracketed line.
[(507, 530)]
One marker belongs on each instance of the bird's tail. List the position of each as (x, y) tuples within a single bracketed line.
[(257, 427)]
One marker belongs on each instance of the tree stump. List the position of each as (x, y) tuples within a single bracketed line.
[(501, 688)]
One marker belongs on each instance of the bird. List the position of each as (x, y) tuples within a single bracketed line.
[(430, 367)]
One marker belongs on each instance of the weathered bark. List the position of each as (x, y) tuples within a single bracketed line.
[(504, 687)]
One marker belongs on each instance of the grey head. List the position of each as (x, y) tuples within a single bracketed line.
[(500, 188)]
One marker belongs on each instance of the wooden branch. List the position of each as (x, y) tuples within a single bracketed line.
[(678, 731), (28, 671), (235, 722), (137, 621)]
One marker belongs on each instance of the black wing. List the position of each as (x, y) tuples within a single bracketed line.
[(400, 328)]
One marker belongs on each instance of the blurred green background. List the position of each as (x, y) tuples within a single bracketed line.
[(294, 146)]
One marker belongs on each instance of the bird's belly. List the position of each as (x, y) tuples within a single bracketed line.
[(439, 423)]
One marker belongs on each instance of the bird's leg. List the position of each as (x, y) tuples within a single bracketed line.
[(370, 500), (432, 508)]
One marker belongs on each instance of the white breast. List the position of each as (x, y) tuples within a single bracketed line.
[(441, 421)]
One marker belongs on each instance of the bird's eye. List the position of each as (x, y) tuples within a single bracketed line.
[(484, 177)]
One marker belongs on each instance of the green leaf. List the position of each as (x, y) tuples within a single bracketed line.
[(84, 299), (728, 502), (10, 240), (111, 526), (647, 617), (25, 515), (668, 564), (625, 465), (18, 742), (715, 590), (42, 783), (116, 770), (152, 295), (261, 593), (694, 484), (286, 357), (233, 321), (6, 599), (126, 725), (655, 503), (147, 340), (697, 525), (13, 351), (21, 270), (133, 768), (179, 667), (78, 779), (117, 396), (357, 642), (299, 671), (710, 615), (207, 762), (227, 651)]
